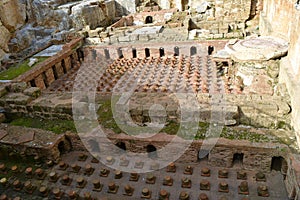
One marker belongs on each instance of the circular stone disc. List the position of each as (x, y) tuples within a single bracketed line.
[(256, 49)]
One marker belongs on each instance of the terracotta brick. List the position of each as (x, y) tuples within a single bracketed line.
[(59, 69), (50, 76), (39, 82), (68, 63)]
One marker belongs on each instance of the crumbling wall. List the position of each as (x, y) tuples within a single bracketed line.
[(256, 156), (29, 25), (44, 144), (292, 177), (281, 18), (224, 19)]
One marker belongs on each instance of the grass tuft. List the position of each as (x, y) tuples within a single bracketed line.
[(18, 69)]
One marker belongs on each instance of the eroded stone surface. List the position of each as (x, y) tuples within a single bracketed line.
[(260, 48)]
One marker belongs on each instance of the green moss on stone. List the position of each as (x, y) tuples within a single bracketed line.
[(55, 125), (18, 69)]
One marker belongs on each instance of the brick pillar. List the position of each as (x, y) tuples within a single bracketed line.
[(50, 76), (74, 61), (75, 56), (154, 52), (127, 52), (140, 53), (39, 82), (59, 70), (68, 63)]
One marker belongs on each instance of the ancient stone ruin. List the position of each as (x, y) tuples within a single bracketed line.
[(149, 99)]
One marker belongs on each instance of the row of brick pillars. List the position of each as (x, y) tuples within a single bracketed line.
[(47, 77)]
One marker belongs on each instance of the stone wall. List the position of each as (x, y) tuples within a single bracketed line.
[(227, 18), (257, 77), (255, 110), (183, 48), (27, 103), (281, 18), (32, 142), (27, 26), (256, 156), (262, 110), (292, 180)]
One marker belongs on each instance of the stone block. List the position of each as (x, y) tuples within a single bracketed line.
[(2, 118), (13, 14), (229, 35), (103, 34), (152, 36), (93, 33), (155, 8), (17, 99), (174, 25), (237, 34), (214, 30), (241, 25), (17, 87), (33, 92), (283, 108), (134, 37), (127, 52), (4, 38), (143, 38), (124, 38), (218, 36), (3, 91), (113, 39), (223, 30), (147, 9)]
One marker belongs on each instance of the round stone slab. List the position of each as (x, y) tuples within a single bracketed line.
[(257, 49)]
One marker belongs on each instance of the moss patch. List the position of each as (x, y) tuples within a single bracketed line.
[(18, 69), (242, 134), (56, 126), (105, 117)]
